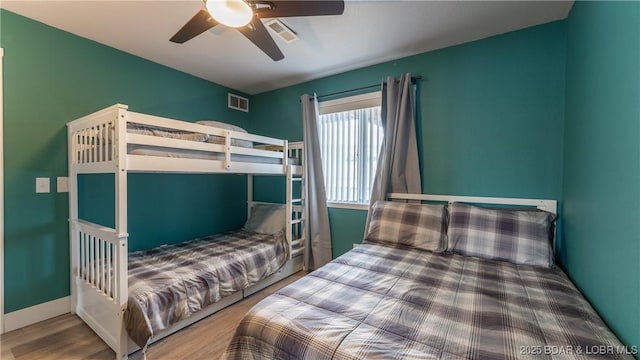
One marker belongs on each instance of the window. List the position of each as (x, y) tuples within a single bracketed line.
[(350, 132)]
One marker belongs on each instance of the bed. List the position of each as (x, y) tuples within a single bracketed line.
[(133, 299), (421, 287), (170, 283)]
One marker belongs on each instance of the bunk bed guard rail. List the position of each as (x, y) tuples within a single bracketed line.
[(99, 142)]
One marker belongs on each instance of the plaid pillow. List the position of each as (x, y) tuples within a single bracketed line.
[(417, 225), (520, 236)]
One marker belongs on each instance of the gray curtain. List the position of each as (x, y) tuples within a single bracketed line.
[(398, 169), (317, 232)]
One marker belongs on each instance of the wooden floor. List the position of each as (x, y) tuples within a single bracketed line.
[(67, 337)]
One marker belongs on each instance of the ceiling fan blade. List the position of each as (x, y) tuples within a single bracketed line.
[(198, 24), (258, 34), (288, 8)]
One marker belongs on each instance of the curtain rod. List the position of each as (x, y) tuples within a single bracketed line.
[(414, 79)]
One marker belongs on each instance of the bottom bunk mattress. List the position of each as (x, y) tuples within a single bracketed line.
[(169, 283), (380, 302)]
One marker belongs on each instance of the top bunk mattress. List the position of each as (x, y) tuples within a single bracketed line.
[(382, 302), (191, 136), (169, 283), (203, 155), (161, 151)]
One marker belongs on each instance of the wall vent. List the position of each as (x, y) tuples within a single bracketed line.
[(238, 102), (282, 30)]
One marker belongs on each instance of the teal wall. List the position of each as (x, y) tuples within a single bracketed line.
[(550, 111), (490, 117), (347, 228), (52, 77), (602, 160)]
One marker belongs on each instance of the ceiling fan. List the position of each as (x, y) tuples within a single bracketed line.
[(245, 15)]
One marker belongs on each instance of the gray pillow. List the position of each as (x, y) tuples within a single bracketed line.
[(417, 225), (267, 219), (520, 236)]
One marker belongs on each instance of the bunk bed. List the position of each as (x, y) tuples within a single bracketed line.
[(442, 279), (116, 292)]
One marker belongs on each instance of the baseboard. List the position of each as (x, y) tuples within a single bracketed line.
[(31, 315)]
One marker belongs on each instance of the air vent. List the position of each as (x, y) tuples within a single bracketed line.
[(282, 30), (238, 102)]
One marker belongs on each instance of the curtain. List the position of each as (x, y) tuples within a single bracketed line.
[(398, 169), (317, 251)]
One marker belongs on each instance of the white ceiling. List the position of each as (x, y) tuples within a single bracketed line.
[(369, 32)]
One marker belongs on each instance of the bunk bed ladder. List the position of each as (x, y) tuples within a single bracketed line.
[(296, 220), (295, 199)]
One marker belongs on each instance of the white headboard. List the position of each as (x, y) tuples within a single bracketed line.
[(546, 205)]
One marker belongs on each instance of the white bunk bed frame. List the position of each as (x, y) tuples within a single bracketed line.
[(98, 143)]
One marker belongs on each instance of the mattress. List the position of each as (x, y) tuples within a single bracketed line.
[(381, 302), (169, 283), (102, 149), (204, 155), (191, 136)]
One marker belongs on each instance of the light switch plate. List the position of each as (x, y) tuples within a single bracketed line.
[(43, 185), (63, 184)]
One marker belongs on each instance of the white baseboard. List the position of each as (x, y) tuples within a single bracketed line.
[(31, 315)]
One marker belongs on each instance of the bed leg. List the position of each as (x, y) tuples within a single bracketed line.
[(123, 343), (122, 353)]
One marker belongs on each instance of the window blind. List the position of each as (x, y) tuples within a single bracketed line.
[(350, 141)]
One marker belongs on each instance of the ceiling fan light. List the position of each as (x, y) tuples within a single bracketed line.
[(233, 13)]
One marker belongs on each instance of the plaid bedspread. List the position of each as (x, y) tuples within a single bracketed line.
[(169, 283), (379, 302)]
